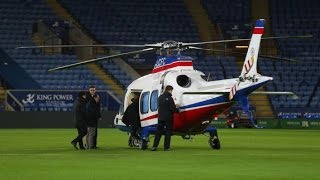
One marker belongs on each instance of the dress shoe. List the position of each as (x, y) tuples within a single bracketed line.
[(74, 144), (153, 149)]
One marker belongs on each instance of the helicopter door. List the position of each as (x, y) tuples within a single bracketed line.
[(124, 104), (149, 107)]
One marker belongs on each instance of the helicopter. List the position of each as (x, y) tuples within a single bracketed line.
[(198, 100)]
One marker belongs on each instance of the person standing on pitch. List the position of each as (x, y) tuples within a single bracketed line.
[(80, 118), (93, 114), (166, 109), (131, 118), (92, 92)]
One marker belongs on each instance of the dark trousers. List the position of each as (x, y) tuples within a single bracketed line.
[(82, 131), (166, 127), (135, 130), (134, 134), (95, 138)]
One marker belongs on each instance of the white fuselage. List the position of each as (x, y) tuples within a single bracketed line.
[(198, 100)]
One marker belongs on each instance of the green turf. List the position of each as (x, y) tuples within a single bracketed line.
[(245, 154)]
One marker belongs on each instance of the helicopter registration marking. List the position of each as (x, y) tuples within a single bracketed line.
[(172, 65), (160, 62)]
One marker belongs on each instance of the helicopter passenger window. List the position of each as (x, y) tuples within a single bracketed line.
[(144, 104), (154, 100)]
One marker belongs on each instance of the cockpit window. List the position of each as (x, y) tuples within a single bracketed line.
[(144, 103)]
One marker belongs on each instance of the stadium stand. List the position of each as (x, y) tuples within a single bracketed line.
[(18, 18), (116, 72), (232, 16), (125, 22), (217, 67), (290, 18)]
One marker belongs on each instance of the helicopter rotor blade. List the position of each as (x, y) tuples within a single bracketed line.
[(99, 59), (281, 58), (77, 46), (262, 56), (156, 45), (236, 40)]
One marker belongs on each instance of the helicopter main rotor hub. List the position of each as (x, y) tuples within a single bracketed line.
[(171, 45)]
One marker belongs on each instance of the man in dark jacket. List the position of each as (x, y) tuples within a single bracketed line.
[(131, 118), (90, 94), (80, 118), (92, 114), (166, 109)]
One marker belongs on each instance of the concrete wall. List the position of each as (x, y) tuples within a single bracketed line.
[(47, 119)]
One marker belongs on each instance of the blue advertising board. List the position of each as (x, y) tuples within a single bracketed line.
[(55, 100), (294, 113)]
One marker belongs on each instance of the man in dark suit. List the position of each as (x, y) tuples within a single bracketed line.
[(90, 94), (92, 115), (80, 118), (131, 118), (166, 109)]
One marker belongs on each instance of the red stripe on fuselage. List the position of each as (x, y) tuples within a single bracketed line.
[(150, 117), (172, 65), (192, 120), (258, 30)]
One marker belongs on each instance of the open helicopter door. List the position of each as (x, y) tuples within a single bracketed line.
[(149, 106), (129, 95)]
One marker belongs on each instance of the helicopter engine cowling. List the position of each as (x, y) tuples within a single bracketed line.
[(183, 81)]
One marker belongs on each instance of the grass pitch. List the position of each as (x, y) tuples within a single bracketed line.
[(245, 154)]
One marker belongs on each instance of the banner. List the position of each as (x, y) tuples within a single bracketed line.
[(268, 123), (55, 100), (219, 123), (293, 113)]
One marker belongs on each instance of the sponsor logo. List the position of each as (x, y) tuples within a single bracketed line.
[(30, 99), (48, 98)]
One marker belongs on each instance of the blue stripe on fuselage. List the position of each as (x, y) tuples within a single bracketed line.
[(246, 91), (224, 98), (219, 99)]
